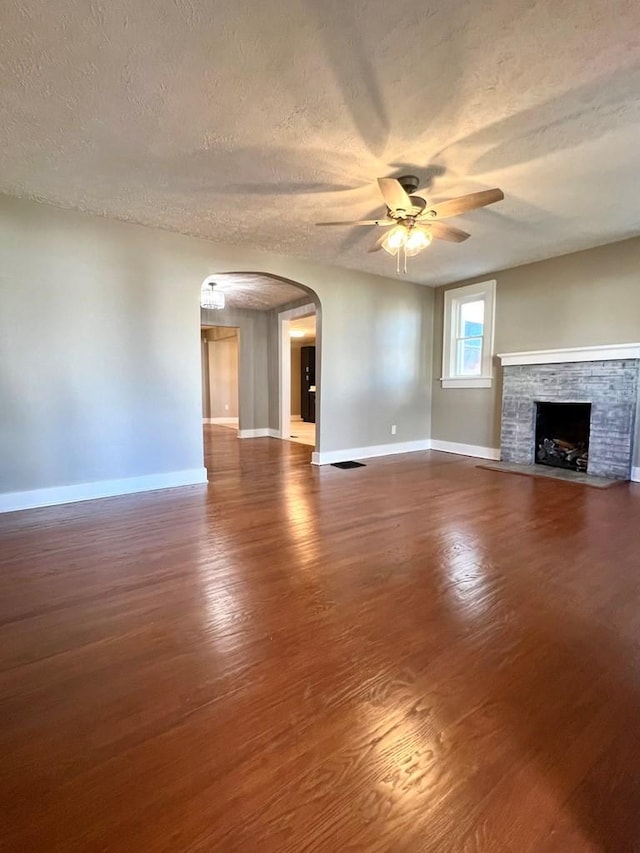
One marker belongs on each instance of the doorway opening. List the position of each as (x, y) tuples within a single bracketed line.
[(302, 425), (299, 374), (219, 353)]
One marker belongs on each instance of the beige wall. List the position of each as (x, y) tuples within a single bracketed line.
[(204, 372), (220, 369), (589, 297), (296, 346)]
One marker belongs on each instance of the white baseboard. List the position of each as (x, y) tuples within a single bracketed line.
[(12, 501), (635, 475), (330, 456), (261, 432), (466, 449)]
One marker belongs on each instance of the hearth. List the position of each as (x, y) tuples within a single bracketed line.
[(562, 435)]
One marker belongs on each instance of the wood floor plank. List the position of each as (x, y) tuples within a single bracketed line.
[(417, 655)]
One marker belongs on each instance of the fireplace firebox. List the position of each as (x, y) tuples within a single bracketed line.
[(562, 435)]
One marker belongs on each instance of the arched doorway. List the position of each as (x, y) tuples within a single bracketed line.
[(263, 307)]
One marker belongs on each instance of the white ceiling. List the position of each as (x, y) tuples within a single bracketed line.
[(256, 292), (245, 121)]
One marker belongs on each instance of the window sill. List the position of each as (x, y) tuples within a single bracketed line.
[(467, 382)]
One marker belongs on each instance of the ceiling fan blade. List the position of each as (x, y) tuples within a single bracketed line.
[(448, 232), (464, 203), (378, 244), (394, 196), (362, 222)]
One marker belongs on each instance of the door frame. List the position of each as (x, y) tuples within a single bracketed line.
[(284, 363)]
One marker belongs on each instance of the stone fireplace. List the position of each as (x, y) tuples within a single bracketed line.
[(592, 425)]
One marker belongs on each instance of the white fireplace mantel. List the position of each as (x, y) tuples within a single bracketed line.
[(608, 352)]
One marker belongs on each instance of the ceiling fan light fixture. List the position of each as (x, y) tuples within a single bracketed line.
[(417, 240), (211, 298), (395, 239)]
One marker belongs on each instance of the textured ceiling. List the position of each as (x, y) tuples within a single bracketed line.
[(256, 292), (245, 121)]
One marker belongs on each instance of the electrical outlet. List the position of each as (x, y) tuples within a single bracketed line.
[(226, 407), (393, 429)]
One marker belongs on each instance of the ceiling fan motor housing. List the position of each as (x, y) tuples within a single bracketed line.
[(409, 183)]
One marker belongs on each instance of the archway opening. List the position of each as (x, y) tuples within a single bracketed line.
[(265, 311)]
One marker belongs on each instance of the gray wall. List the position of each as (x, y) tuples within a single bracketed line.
[(586, 298), (373, 361), (99, 352), (100, 348)]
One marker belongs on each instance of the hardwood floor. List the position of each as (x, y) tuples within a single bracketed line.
[(303, 433), (417, 655)]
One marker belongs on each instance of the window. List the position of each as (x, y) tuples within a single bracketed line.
[(468, 336)]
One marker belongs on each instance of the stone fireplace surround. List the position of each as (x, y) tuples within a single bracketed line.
[(605, 376)]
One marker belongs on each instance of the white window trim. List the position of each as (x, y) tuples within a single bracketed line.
[(452, 300)]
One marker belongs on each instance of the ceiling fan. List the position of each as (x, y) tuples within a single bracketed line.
[(414, 222)]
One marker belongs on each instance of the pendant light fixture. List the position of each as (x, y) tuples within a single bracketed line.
[(210, 297)]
